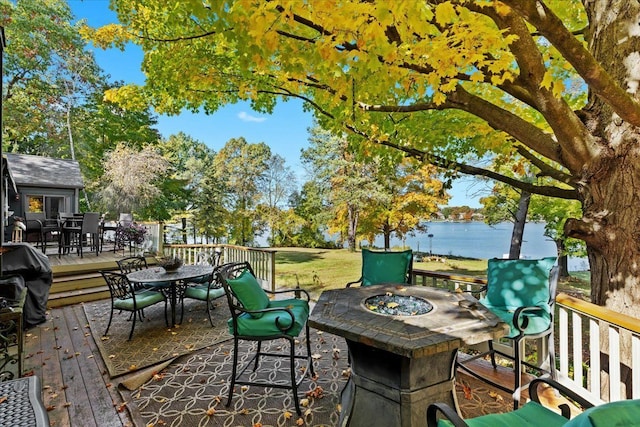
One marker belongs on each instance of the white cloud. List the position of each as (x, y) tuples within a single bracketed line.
[(249, 118)]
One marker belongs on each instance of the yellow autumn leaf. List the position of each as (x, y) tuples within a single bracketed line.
[(445, 13), (392, 304)]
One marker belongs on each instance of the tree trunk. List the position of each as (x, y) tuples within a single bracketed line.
[(563, 262), (611, 229), (386, 232), (609, 181), (518, 225), (353, 226)]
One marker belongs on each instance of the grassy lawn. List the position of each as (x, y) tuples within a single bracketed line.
[(320, 269)]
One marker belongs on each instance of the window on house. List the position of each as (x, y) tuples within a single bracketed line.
[(50, 205)]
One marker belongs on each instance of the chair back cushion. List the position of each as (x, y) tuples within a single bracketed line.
[(518, 283), (385, 267), (614, 414), (249, 293)]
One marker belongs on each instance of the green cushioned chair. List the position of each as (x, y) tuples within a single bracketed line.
[(124, 297), (256, 317), (207, 288), (533, 413), (385, 267), (521, 292)]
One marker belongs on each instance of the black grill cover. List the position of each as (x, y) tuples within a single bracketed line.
[(34, 267)]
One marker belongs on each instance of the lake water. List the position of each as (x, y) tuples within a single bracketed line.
[(476, 239)]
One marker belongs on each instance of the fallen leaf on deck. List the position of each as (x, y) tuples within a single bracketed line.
[(300, 422), (3, 399), (287, 415), (211, 411), (467, 391)]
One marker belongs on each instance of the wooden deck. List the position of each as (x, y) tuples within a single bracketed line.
[(77, 390)]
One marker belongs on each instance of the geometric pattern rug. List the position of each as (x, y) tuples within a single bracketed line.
[(153, 342), (193, 389)]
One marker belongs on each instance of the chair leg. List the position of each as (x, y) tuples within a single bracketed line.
[(492, 353), (109, 324), (517, 370), (166, 319), (309, 358), (133, 325), (259, 349), (233, 371), (292, 367)]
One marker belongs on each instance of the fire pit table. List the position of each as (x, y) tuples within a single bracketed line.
[(400, 363)]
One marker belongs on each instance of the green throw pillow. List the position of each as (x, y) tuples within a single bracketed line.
[(385, 267), (513, 283), (615, 414), (249, 292)]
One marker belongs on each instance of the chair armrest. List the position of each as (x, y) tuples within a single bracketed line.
[(564, 391), (280, 326), (348, 285), (521, 322), (447, 411), (296, 291)]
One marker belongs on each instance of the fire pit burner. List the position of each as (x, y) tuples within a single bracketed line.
[(398, 305)]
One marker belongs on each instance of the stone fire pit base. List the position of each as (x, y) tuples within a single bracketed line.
[(396, 389)]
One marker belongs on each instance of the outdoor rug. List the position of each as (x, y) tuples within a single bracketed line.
[(153, 342), (192, 391)]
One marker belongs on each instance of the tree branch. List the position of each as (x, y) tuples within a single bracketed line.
[(546, 169), (441, 162), (600, 82)]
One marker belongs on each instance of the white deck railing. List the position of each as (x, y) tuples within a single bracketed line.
[(262, 260), (588, 329), (582, 329)]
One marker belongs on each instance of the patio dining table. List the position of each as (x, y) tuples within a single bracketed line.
[(172, 283)]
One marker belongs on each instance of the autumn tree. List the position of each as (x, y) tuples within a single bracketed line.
[(504, 73), (241, 166), (47, 75), (348, 186), (132, 179), (310, 206), (411, 194), (278, 184)]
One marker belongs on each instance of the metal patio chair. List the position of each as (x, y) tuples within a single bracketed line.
[(385, 267), (521, 293), (254, 317)]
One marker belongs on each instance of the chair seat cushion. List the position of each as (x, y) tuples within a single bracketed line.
[(266, 325), (539, 320), (249, 292), (531, 414), (614, 414), (202, 292), (385, 267), (143, 299)]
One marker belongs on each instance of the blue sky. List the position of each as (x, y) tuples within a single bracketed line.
[(285, 131)]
